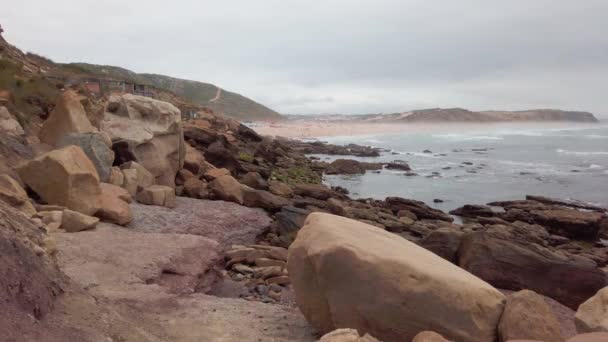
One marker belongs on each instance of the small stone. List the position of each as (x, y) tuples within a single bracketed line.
[(275, 287), (280, 280), (243, 269), (265, 262), (274, 295), (73, 221)]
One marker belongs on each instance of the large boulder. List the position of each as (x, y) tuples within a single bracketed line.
[(429, 336), (96, 147), (498, 257), (347, 274), (444, 242), (64, 177), (69, 116), (73, 221), (159, 195), (592, 315), (347, 335), (8, 124), (147, 131), (262, 199), (135, 177), (345, 167), (12, 193), (528, 317), (590, 337), (114, 207), (227, 189)]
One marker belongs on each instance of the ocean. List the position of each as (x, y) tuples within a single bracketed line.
[(480, 163)]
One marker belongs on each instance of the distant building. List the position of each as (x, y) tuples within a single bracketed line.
[(104, 86)]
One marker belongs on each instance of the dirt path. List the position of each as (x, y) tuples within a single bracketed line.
[(217, 95)]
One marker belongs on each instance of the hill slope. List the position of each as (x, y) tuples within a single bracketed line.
[(205, 94), (464, 115)]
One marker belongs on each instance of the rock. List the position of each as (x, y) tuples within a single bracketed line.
[(227, 189), (224, 222), (407, 213), (262, 199), (398, 165), (73, 221), (14, 195), (347, 335), (444, 242), (8, 124), (498, 257), (115, 205), (344, 167), (265, 262), (70, 179), (473, 211), (288, 222), (195, 188), (316, 191), (280, 189), (159, 195), (566, 203), (147, 131), (243, 269), (116, 177), (216, 173), (280, 280), (136, 177), (590, 337), (69, 116), (94, 146), (429, 336), (592, 315), (332, 253), (254, 180), (193, 160), (528, 317), (421, 210)]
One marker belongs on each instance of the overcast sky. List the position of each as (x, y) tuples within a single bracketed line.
[(343, 56)]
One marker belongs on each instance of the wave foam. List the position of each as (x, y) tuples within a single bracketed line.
[(579, 153)]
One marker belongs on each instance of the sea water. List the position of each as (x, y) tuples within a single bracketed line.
[(480, 163)]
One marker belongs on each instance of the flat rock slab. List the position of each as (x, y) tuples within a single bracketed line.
[(225, 222)]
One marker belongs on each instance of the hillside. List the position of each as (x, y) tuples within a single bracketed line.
[(205, 94), (464, 115)]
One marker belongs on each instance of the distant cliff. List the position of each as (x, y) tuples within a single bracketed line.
[(464, 115)]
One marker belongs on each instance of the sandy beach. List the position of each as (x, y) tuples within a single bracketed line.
[(313, 129)]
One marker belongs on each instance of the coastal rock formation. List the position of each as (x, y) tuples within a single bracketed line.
[(69, 116), (332, 253), (147, 131), (8, 124), (508, 258), (528, 317), (70, 180), (350, 167), (592, 315), (96, 146)]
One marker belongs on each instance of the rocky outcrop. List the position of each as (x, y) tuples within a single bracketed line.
[(528, 317), (350, 167), (8, 124), (508, 257), (97, 147), (592, 315), (69, 116), (421, 210), (14, 195), (347, 335), (331, 254), (147, 131), (227, 223), (70, 179)]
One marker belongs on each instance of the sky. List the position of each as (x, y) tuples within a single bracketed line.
[(341, 56)]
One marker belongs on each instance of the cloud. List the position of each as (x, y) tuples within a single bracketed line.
[(341, 56)]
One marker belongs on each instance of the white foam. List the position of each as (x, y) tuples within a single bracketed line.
[(464, 137), (595, 166), (579, 153)]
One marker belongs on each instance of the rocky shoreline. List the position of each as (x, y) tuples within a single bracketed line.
[(118, 211)]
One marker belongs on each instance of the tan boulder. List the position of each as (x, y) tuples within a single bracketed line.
[(160, 195), (592, 315), (136, 177), (69, 116), (429, 336), (216, 173), (528, 317), (52, 219), (280, 189), (147, 131), (73, 221), (590, 337), (193, 160), (13, 194), (347, 335), (64, 177), (347, 274), (227, 188), (115, 205), (8, 124), (116, 177)]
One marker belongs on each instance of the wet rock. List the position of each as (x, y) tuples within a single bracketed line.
[(473, 211), (398, 165)]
